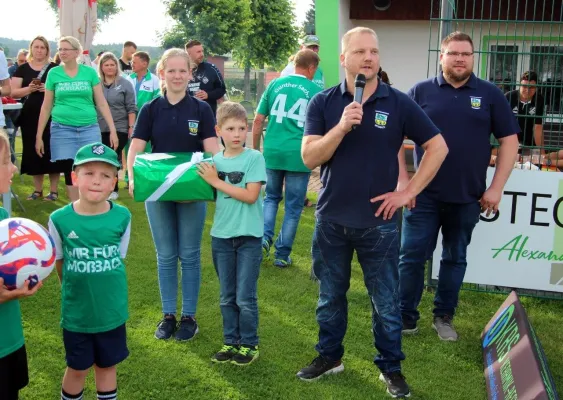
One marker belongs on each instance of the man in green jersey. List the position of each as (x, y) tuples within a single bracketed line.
[(285, 102), (310, 42), (91, 237), (147, 87)]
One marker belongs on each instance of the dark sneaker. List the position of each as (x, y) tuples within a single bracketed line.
[(265, 249), (166, 328), (187, 329), (409, 328), (246, 355), (396, 385), (319, 367), (445, 328), (280, 263), (226, 353)]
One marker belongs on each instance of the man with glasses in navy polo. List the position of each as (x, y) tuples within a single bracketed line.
[(357, 146), (466, 109)]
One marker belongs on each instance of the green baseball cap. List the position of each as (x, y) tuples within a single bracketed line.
[(96, 152), (311, 40)]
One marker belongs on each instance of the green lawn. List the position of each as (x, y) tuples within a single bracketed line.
[(288, 332)]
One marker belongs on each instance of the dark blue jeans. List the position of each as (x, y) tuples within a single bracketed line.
[(377, 249), (418, 241), (295, 191), (237, 263)]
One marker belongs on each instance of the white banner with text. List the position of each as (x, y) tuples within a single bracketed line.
[(522, 245)]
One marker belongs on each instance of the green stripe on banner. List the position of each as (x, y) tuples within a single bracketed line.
[(327, 26), (558, 231)]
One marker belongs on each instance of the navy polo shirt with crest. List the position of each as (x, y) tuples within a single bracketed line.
[(466, 118), (365, 163), (174, 128)]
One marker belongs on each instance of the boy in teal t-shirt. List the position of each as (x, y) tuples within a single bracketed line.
[(91, 237), (238, 174), (13, 356)]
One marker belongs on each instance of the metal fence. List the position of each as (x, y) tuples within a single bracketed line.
[(510, 37)]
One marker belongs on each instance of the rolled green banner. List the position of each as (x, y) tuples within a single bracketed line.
[(171, 177)]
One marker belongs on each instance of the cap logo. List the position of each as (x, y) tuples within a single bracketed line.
[(98, 149)]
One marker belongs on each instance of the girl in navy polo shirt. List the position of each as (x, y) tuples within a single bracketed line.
[(176, 227)]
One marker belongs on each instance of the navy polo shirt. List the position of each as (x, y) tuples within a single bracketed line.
[(365, 163), (466, 117), (175, 128)]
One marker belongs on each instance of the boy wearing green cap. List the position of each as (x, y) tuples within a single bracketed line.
[(91, 237)]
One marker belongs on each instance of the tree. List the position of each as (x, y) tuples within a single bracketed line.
[(272, 37), (309, 23), (218, 24), (106, 8)]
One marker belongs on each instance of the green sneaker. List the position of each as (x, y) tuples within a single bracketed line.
[(224, 355), (246, 355), (281, 263)]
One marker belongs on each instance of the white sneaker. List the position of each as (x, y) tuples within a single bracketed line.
[(113, 196)]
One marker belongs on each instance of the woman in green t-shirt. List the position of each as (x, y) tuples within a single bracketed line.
[(72, 93)]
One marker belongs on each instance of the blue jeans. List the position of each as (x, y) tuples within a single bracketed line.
[(377, 249), (176, 231), (418, 241), (295, 191), (66, 140), (237, 263)]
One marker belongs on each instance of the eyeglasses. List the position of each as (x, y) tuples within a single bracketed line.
[(65, 50), (234, 177), (464, 54)]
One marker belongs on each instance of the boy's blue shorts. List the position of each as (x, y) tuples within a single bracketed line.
[(105, 349)]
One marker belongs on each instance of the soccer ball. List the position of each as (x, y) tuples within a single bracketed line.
[(27, 252)]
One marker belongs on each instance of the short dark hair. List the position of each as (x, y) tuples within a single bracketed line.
[(130, 44), (305, 58), (192, 43), (456, 37), (529, 76), (143, 55)]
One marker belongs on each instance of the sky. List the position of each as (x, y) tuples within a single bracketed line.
[(25, 19)]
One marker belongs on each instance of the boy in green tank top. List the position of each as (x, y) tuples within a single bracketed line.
[(91, 237), (236, 235), (13, 356)]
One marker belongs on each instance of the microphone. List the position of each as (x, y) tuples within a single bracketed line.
[(359, 86)]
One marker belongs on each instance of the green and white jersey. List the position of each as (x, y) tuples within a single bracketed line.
[(318, 79), (148, 89), (94, 282), (11, 338), (285, 102)]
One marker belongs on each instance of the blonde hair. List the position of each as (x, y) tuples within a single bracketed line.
[(161, 66), (45, 42), (73, 42), (230, 109), (105, 58), (356, 31)]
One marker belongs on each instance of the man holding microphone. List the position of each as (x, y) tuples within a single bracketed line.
[(356, 146)]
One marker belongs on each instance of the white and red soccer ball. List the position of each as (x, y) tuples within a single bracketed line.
[(27, 252)]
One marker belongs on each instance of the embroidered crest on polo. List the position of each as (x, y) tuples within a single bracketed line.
[(476, 102), (98, 149), (381, 119), (193, 125)]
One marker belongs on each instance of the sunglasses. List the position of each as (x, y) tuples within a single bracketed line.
[(234, 177)]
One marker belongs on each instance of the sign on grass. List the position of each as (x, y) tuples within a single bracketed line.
[(515, 364), (522, 245)]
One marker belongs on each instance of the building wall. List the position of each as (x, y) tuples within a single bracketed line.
[(410, 49)]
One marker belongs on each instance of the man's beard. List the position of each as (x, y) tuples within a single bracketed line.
[(453, 76)]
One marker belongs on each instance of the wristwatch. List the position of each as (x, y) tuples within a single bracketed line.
[(131, 126), (548, 162)]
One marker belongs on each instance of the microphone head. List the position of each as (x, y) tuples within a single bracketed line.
[(360, 81)]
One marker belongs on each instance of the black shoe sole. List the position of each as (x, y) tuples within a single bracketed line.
[(332, 371), (244, 364)]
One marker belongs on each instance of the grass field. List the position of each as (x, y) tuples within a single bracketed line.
[(288, 332)]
